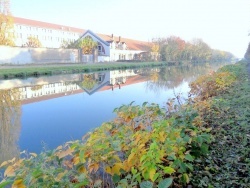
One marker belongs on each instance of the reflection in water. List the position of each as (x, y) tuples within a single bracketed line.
[(63, 107), (173, 76), (10, 124)]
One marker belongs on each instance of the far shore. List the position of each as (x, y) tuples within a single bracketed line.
[(20, 71)]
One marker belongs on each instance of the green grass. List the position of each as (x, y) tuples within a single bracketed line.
[(31, 70), (228, 163)]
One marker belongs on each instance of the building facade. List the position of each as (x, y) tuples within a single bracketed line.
[(110, 47), (50, 35)]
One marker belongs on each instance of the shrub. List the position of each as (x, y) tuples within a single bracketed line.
[(141, 147)]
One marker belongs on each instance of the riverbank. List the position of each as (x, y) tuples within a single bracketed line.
[(22, 71), (228, 162), (204, 144)]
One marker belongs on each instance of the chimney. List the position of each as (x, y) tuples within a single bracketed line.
[(119, 38)]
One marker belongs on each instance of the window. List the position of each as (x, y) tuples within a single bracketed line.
[(99, 48)]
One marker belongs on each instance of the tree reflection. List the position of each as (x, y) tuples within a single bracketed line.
[(89, 81), (10, 121), (172, 76)]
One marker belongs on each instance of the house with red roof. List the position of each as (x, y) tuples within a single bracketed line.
[(110, 47)]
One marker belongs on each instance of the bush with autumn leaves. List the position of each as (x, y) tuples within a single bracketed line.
[(144, 146)]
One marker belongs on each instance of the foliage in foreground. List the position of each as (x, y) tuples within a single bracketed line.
[(145, 146), (139, 148)]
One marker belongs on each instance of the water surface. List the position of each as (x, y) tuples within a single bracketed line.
[(45, 112)]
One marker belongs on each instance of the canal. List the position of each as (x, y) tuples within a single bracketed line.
[(40, 113)]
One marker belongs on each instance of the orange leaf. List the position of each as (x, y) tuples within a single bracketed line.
[(64, 153), (9, 171)]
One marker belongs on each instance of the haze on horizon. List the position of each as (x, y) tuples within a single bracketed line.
[(222, 24)]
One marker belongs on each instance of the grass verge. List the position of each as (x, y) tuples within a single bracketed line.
[(32, 70), (228, 162)]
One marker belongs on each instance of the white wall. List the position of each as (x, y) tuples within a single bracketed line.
[(127, 54), (18, 55)]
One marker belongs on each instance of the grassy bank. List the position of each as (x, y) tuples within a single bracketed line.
[(204, 143), (36, 70), (228, 114)]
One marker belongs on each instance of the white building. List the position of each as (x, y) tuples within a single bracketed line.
[(110, 47), (50, 35)]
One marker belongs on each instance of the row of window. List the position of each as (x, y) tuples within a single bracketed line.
[(45, 38), (44, 30)]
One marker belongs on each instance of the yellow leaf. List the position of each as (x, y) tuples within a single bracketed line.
[(59, 148), (130, 157), (4, 163), (108, 170), (138, 138), (60, 175), (9, 171), (141, 146), (76, 160), (116, 168), (93, 167), (151, 174), (117, 158), (162, 136), (33, 154), (12, 160), (126, 166), (18, 184), (82, 169)]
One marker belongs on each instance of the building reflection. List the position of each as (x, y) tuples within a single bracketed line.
[(44, 88)]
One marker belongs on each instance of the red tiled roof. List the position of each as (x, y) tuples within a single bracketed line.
[(131, 44), (35, 23)]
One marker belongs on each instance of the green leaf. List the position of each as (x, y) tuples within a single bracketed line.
[(165, 183), (82, 156), (3, 184), (146, 184), (168, 170), (116, 178), (185, 178), (204, 148), (183, 167), (78, 185), (189, 157), (131, 103)]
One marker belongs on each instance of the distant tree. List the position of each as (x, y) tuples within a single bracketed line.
[(6, 24), (68, 44), (201, 51), (33, 42), (247, 54), (87, 45)]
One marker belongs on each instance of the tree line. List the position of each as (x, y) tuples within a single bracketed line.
[(175, 49)]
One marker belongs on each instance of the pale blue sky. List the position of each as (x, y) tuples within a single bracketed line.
[(223, 24)]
